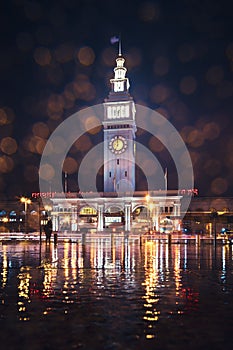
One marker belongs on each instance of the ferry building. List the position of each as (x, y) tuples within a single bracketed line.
[(134, 210)]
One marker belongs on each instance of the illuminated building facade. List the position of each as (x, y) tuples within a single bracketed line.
[(120, 204)]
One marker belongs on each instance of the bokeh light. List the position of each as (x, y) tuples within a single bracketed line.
[(83, 144), (42, 56), (46, 172), (6, 164), (90, 123), (8, 145), (3, 117), (159, 93), (219, 186), (188, 85), (86, 56), (211, 131), (41, 130), (195, 138), (34, 144), (70, 165), (55, 104), (7, 115), (133, 58), (83, 89), (155, 145)]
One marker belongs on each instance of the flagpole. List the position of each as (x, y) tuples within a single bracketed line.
[(66, 188), (165, 179), (119, 48)]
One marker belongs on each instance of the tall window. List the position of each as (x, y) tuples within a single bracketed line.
[(118, 161), (125, 173)]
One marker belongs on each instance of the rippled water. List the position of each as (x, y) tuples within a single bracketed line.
[(116, 292)]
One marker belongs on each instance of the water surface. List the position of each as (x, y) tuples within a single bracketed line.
[(115, 292)]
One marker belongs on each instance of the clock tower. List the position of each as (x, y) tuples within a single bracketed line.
[(119, 134)]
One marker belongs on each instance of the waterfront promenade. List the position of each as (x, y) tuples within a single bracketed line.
[(82, 236)]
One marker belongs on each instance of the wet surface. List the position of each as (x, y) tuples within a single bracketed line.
[(116, 293)]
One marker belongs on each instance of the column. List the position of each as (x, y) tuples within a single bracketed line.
[(74, 219), (77, 218), (55, 222), (152, 216), (127, 217), (177, 215), (156, 217), (58, 223), (178, 209), (175, 209), (100, 225)]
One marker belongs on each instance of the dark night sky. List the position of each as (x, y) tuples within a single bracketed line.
[(56, 57)]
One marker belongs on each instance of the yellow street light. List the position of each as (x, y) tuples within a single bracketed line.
[(48, 207), (25, 201)]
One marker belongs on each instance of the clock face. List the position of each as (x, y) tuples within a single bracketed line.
[(118, 144)]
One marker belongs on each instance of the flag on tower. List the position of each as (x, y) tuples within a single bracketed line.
[(114, 39)]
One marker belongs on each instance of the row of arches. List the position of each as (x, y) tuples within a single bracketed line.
[(101, 215)]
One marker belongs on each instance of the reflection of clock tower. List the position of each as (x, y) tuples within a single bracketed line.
[(119, 134)]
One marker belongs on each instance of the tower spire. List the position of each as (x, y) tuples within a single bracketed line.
[(119, 46), (120, 83)]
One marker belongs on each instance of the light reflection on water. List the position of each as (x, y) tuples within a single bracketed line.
[(114, 292)]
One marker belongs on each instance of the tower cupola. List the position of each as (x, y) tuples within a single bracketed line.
[(120, 83)]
